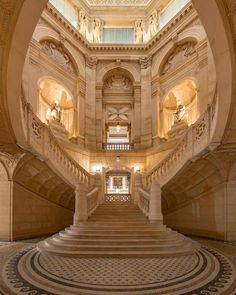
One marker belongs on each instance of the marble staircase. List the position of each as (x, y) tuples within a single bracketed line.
[(118, 230)]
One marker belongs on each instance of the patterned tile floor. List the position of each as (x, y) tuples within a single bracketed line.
[(23, 270)]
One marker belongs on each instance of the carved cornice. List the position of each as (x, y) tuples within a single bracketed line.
[(114, 48)]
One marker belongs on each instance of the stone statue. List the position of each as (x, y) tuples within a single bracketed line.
[(54, 113), (83, 23), (139, 31), (180, 114), (96, 31), (153, 24)]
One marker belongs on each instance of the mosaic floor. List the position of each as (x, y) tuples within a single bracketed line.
[(26, 271)]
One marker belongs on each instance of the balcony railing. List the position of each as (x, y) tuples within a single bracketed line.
[(118, 198), (118, 146)]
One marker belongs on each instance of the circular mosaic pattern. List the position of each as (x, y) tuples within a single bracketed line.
[(31, 272)]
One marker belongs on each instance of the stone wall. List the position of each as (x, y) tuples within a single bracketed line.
[(204, 216), (35, 216)]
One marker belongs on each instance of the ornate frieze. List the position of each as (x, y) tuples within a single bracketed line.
[(178, 56), (57, 53), (118, 81)]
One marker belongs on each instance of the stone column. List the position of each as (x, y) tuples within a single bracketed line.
[(99, 118), (90, 106), (81, 111), (81, 212), (155, 214), (136, 119), (146, 107)]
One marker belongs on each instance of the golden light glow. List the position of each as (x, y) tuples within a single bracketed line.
[(118, 127)]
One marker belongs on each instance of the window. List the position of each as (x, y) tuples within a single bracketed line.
[(171, 10), (118, 35), (67, 10)]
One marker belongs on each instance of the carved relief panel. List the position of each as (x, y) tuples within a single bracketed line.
[(178, 56), (57, 53)]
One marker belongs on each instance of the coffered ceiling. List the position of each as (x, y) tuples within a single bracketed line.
[(118, 3), (118, 12)]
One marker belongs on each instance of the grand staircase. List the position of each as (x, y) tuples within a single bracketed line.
[(118, 230)]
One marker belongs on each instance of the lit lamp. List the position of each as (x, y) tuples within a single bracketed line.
[(118, 158), (137, 169), (97, 169), (118, 127)]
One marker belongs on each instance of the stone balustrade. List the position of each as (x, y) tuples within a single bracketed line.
[(42, 142), (118, 146), (196, 139), (143, 201), (92, 200), (150, 203), (118, 198)]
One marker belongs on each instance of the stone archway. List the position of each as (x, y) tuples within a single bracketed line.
[(20, 32)]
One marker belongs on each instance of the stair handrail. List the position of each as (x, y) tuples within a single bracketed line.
[(196, 139), (143, 200), (92, 200), (42, 142)]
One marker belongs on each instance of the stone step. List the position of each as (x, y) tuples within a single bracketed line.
[(121, 218), (122, 247), (139, 240), (117, 225), (186, 249), (118, 230), (94, 237), (115, 231)]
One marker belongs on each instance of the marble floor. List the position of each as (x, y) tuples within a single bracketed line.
[(24, 270)]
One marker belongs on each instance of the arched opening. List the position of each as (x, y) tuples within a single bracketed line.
[(118, 186), (56, 106), (180, 107), (118, 107)]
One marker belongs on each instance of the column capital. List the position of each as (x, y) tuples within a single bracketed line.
[(91, 62), (145, 62)]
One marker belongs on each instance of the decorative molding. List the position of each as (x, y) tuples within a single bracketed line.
[(115, 114), (57, 53), (118, 81), (119, 3), (145, 62), (10, 161), (188, 12), (91, 62), (178, 56)]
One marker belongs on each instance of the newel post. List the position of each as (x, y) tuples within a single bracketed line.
[(155, 213), (98, 184), (137, 185), (81, 212)]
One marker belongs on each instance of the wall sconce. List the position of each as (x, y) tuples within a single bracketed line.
[(118, 127), (118, 158), (97, 169), (137, 169)]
